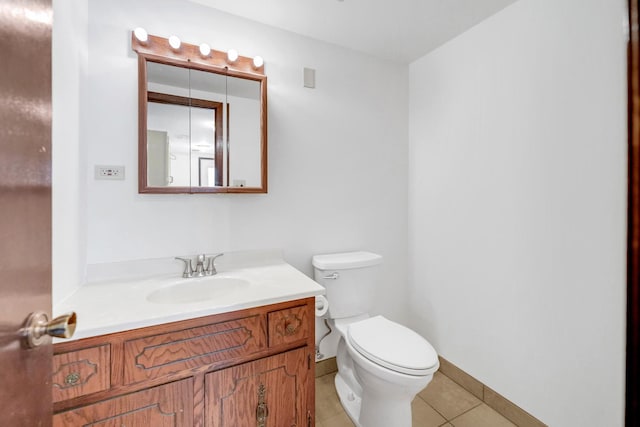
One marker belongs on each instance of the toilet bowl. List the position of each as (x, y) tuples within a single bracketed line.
[(382, 365)]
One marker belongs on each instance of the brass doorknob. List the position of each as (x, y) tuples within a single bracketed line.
[(38, 326)]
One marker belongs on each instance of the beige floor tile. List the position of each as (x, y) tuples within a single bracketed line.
[(327, 400), (326, 383), (339, 420), (424, 415), (481, 416), (447, 397)]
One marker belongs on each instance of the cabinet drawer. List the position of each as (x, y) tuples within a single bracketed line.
[(81, 372), (194, 348), (287, 326), (169, 405)]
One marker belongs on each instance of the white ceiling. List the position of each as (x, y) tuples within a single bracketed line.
[(397, 30)]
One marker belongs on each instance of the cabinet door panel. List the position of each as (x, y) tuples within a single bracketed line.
[(170, 405), (273, 389)]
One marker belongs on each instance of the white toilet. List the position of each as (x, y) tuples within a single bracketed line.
[(381, 365)]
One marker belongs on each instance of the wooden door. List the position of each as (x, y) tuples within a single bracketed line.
[(25, 204), (270, 392)]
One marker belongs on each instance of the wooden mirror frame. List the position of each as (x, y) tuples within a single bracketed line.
[(157, 49)]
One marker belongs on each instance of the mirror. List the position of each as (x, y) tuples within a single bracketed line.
[(202, 126)]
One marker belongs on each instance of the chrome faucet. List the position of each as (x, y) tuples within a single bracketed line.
[(205, 266), (188, 268), (211, 265)]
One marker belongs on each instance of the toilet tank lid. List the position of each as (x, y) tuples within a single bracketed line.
[(345, 260)]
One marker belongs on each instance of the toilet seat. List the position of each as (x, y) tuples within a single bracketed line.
[(393, 346)]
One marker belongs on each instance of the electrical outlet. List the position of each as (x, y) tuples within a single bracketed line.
[(109, 172)]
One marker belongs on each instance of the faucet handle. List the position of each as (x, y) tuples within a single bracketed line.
[(188, 268), (211, 265)]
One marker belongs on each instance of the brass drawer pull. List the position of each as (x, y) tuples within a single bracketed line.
[(262, 410), (72, 378)]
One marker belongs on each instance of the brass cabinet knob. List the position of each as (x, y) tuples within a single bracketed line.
[(290, 329), (38, 327), (72, 378)]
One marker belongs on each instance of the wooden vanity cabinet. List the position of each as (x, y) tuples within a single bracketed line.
[(251, 367)]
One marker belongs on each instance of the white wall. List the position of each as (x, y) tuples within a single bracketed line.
[(337, 153), (69, 69), (517, 148)]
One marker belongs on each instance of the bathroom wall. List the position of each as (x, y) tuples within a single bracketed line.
[(69, 72), (517, 204), (337, 153)]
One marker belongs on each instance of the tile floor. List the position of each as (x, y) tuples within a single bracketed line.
[(442, 403)]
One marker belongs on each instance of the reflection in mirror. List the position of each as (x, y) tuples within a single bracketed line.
[(202, 121), (167, 126), (243, 100), (208, 131), (184, 125)]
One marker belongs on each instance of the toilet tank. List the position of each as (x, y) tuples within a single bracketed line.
[(350, 279)]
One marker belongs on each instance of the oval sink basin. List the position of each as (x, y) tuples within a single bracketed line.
[(197, 290)]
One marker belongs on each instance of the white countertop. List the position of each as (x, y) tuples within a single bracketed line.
[(121, 304)]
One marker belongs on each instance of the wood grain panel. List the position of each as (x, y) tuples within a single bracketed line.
[(288, 326), (190, 349), (233, 394), (170, 405), (25, 202), (81, 372)]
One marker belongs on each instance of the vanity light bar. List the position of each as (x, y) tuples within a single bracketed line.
[(147, 44)]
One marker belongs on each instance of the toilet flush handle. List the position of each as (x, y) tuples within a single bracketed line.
[(333, 276)]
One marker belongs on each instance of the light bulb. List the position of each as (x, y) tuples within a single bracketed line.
[(175, 42), (258, 61), (141, 35), (205, 49), (232, 55)]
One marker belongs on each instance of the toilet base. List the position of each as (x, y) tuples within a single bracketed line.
[(349, 400)]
